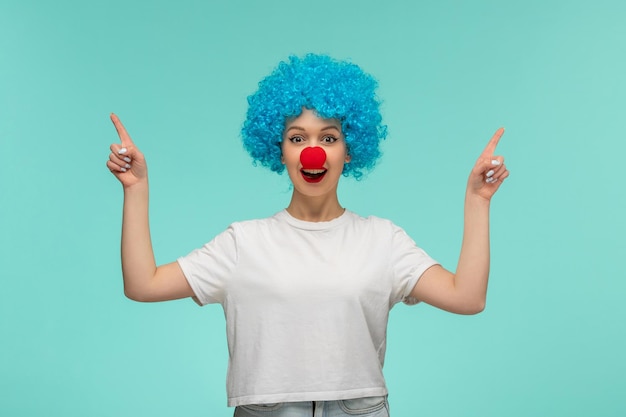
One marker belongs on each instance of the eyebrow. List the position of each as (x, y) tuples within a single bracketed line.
[(329, 127)]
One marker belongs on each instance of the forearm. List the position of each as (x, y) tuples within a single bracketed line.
[(138, 263), (465, 292), (472, 271)]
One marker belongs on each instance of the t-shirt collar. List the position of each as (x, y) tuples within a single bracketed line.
[(306, 225)]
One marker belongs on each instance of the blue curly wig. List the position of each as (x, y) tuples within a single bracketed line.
[(333, 89)]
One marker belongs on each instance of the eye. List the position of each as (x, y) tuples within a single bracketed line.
[(296, 139), (329, 139)]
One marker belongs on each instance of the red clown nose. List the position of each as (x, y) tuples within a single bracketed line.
[(313, 158)]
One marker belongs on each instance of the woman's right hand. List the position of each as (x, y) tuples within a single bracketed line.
[(126, 162)]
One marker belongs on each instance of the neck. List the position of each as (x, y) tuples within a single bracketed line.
[(314, 209)]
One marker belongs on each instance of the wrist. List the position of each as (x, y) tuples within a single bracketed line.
[(140, 186), (475, 200)]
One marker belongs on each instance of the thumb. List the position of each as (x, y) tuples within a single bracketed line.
[(485, 165)]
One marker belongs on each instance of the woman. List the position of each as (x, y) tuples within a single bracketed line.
[(307, 292)]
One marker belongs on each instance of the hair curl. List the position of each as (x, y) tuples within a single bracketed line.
[(333, 89)]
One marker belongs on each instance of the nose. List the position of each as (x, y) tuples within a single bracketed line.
[(313, 158)]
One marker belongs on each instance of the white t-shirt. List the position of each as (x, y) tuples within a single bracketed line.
[(306, 303)]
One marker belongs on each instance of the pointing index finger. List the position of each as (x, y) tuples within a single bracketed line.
[(121, 130), (490, 149)]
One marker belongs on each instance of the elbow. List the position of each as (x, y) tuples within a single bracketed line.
[(476, 308), (133, 294), (471, 308)]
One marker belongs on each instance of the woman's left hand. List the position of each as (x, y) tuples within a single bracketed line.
[(489, 171)]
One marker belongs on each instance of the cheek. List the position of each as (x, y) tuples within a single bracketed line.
[(343, 155), (290, 157)]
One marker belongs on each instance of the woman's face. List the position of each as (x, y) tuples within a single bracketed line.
[(316, 172)]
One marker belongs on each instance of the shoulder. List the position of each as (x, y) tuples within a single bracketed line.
[(374, 227), (260, 225), (374, 222), (385, 230)]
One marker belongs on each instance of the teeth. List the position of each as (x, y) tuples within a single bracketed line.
[(313, 171)]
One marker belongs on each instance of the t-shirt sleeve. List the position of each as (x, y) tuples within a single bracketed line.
[(209, 268), (408, 263)]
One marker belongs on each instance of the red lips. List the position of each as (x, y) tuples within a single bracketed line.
[(313, 159)]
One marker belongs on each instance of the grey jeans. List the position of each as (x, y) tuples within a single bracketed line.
[(363, 407)]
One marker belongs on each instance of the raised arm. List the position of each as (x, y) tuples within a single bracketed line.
[(465, 291), (143, 280)]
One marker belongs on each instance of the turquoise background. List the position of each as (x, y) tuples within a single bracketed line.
[(552, 339)]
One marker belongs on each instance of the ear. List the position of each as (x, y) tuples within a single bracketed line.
[(348, 158)]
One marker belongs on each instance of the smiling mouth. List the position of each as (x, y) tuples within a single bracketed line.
[(313, 175)]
